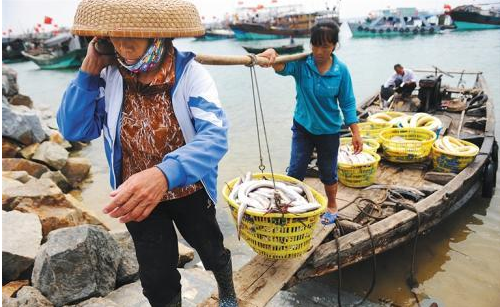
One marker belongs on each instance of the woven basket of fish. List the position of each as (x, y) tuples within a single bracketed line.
[(368, 144), (276, 219), (372, 130), (407, 145), (452, 155), (418, 120), (384, 117), (357, 170)]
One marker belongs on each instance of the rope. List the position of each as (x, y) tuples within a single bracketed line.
[(262, 167)]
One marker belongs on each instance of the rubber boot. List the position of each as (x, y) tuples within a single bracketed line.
[(176, 301), (224, 278)]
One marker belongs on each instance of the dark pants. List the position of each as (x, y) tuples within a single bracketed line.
[(303, 144), (156, 246), (405, 91)]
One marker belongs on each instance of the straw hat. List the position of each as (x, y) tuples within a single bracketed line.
[(139, 18)]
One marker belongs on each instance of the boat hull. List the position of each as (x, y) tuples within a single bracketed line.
[(72, 59), (467, 26), (361, 30)]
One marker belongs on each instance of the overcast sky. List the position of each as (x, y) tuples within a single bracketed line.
[(19, 15)]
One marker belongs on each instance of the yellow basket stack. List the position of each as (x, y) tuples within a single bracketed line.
[(368, 144), (447, 162), (415, 147), (359, 175), (372, 130), (276, 235)]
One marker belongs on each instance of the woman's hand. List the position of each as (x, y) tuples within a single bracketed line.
[(95, 62), (269, 54), (136, 198), (357, 141)]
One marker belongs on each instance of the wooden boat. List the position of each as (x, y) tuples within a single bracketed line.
[(60, 52), (470, 17), (261, 278), (285, 49), (11, 50), (216, 34)]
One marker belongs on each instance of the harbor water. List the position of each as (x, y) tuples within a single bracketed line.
[(458, 263)]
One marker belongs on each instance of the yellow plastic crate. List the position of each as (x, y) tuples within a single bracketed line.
[(451, 163), (276, 235), (360, 175), (372, 130), (415, 148)]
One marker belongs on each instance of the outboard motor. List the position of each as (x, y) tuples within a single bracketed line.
[(430, 93)]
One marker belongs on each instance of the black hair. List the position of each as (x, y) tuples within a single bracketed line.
[(325, 32), (397, 66)]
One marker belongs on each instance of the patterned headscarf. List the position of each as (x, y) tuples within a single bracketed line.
[(149, 60)]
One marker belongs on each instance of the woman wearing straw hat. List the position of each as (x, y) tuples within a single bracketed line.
[(164, 134)]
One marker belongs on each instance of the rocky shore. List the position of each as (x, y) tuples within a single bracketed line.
[(55, 251)]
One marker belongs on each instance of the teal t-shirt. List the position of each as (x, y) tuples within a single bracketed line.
[(325, 101)]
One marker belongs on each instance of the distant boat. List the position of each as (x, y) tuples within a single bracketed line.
[(11, 50), (470, 17), (402, 21), (216, 34), (59, 52), (285, 49), (296, 25)]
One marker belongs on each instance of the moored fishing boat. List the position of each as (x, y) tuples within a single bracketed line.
[(216, 34), (471, 17), (405, 199), (284, 49)]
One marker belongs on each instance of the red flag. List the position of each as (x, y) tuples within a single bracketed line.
[(47, 20)]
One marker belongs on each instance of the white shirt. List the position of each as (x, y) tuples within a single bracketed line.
[(408, 76)]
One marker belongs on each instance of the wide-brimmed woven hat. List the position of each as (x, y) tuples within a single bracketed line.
[(139, 18)]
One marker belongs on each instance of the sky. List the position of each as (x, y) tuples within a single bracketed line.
[(20, 15)]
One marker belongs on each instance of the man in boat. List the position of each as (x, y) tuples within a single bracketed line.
[(164, 135), (403, 81), (324, 91)]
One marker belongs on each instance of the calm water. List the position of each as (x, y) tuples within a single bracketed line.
[(458, 263)]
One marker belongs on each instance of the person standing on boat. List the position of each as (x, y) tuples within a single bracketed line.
[(325, 101), (403, 81), (164, 135)]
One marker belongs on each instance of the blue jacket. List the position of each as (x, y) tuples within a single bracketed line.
[(322, 98), (93, 104)]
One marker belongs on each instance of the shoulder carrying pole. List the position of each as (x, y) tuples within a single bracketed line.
[(209, 59)]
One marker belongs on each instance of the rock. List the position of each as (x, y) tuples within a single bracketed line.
[(21, 176), (76, 146), (186, 254), (75, 264), (96, 302), (10, 289), (57, 137), (76, 170), (9, 302), (37, 191), (21, 237), (28, 151), (9, 81), (128, 270), (88, 216), (22, 124), (30, 297), (59, 179), (8, 183), (17, 164), (129, 295), (21, 100), (9, 148), (51, 154)]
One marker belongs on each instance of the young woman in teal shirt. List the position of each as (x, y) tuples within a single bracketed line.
[(325, 101)]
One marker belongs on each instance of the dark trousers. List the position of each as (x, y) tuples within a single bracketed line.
[(406, 90), (303, 144), (156, 246)]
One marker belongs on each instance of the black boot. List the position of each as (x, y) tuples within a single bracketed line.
[(224, 278), (176, 301)]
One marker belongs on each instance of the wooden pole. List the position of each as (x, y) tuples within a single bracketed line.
[(209, 59)]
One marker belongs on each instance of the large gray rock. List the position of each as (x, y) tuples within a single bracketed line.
[(76, 170), (30, 297), (59, 179), (9, 81), (32, 168), (96, 302), (22, 124), (128, 270), (21, 237), (76, 263), (129, 295), (51, 154)]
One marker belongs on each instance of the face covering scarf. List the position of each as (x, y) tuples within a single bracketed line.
[(149, 60)]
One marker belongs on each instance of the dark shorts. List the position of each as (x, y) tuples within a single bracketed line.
[(303, 144)]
